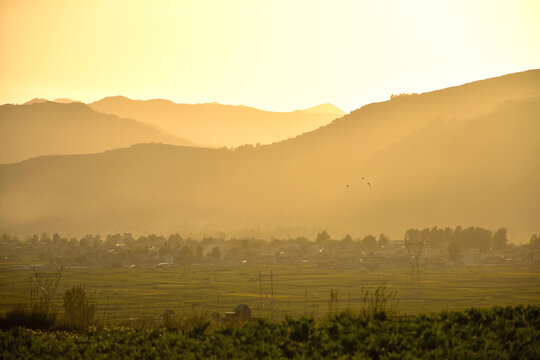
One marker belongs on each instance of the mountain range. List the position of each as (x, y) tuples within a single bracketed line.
[(466, 155), (64, 126), (49, 128), (218, 125)]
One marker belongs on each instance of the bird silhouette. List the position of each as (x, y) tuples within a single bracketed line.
[(369, 184)]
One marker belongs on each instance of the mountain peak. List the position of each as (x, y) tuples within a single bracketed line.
[(35, 101), (215, 124), (114, 98), (326, 108), (65, 101)]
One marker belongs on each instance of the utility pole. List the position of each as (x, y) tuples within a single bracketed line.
[(272, 290), (414, 249), (415, 244), (534, 243), (260, 284)]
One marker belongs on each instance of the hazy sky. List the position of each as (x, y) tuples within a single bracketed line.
[(275, 55)]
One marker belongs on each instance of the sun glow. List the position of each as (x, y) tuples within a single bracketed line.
[(277, 55)]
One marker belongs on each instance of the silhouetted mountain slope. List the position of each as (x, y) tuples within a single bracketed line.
[(46, 128), (365, 131), (484, 172), (219, 125), (35, 101), (58, 100), (482, 169)]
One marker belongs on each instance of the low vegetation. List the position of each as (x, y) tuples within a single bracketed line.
[(494, 333), (303, 306)]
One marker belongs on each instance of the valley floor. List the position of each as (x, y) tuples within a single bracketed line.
[(133, 294)]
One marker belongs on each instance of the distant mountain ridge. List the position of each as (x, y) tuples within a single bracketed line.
[(325, 109), (58, 100), (50, 128), (65, 101), (35, 101), (217, 125), (467, 155)]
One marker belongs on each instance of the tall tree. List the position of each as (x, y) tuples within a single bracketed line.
[(500, 239), (454, 250), (383, 241), (369, 242)]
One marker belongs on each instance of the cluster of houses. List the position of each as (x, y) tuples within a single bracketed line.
[(155, 251)]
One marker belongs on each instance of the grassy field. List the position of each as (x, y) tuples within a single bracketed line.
[(124, 293)]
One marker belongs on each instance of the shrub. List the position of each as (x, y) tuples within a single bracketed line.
[(379, 301), (36, 317), (40, 313), (80, 311)]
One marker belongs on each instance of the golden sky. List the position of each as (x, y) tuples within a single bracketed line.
[(275, 55)]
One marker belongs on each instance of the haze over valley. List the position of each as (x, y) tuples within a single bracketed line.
[(219, 125), (463, 155), (52, 128), (270, 179)]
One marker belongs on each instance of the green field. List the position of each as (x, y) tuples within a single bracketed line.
[(136, 293)]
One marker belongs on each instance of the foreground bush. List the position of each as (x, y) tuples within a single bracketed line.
[(79, 310), (495, 333), (31, 317)]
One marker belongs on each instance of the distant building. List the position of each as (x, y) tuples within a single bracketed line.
[(241, 312)]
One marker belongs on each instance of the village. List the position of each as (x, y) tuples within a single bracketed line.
[(418, 248)]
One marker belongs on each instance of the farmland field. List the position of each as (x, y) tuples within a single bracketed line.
[(135, 293)]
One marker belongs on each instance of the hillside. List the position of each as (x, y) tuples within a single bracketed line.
[(35, 101), (366, 131), (467, 155), (485, 172), (47, 128), (216, 125)]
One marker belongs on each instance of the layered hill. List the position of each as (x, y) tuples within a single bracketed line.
[(467, 155), (50, 128), (58, 100), (218, 125), (65, 101), (35, 101)]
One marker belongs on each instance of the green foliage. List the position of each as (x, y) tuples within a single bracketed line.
[(322, 237), (347, 240), (495, 333), (472, 237), (79, 310), (384, 241), (185, 256), (124, 250), (379, 301), (215, 254), (333, 302), (369, 242), (31, 317), (39, 313), (454, 251)]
